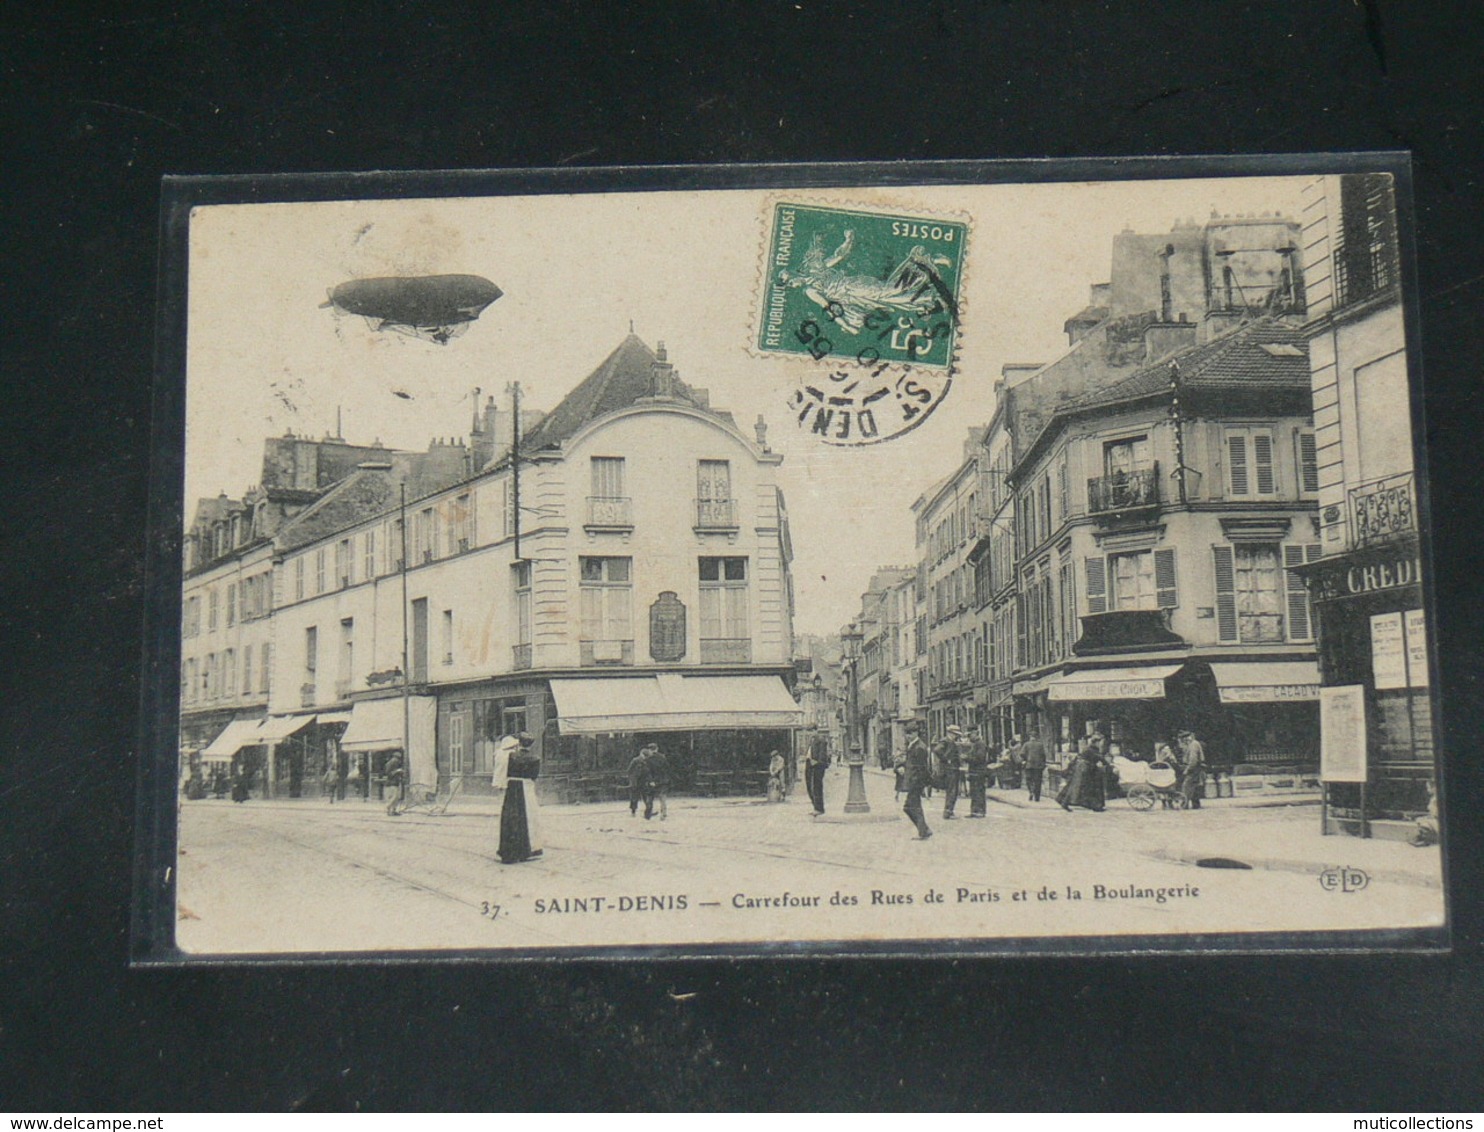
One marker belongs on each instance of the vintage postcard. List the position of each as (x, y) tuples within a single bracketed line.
[(968, 565)]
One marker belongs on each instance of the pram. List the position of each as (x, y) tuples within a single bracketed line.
[(1144, 784)]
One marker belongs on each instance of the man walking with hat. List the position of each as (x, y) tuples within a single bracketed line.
[(918, 769), (949, 751)]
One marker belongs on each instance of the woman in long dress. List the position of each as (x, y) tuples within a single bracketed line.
[(520, 836), (1086, 787)]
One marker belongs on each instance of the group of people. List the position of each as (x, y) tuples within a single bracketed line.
[(1086, 785), (649, 781)]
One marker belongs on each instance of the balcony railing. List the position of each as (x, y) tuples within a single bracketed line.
[(726, 651), (306, 695), (520, 656), (1123, 491), (612, 511), (1384, 510), (716, 514)]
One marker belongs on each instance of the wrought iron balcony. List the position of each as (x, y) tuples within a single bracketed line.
[(1123, 491), (1383, 511), (520, 656), (716, 514), (614, 512)]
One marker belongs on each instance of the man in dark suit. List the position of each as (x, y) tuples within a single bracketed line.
[(1033, 752), (918, 768), (816, 762), (975, 757)]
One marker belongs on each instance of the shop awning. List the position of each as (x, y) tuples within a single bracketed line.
[(1029, 687), (327, 717), (277, 728), (1270, 682), (376, 725), (236, 735), (1112, 684), (599, 705)]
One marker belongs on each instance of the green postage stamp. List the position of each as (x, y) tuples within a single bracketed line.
[(862, 288), (870, 302)]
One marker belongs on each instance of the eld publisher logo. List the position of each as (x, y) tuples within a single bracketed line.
[(1343, 880)]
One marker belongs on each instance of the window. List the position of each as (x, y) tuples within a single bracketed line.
[(507, 508), (714, 494), (724, 615), (231, 605), (1306, 459), (426, 534), (311, 653), (368, 562), (448, 636), (344, 563), (229, 674), (608, 478), (1365, 260), (299, 578), (211, 610), (607, 599), (1249, 463), (319, 570), (264, 668), (1300, 622), (247, 671), (191, 687), (347, 657), (461, 527), (521, 575), (396, 547), (1249, 593), (1125, 457), (1143, 579)]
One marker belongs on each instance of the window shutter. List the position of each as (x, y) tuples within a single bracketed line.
[(1297, 593), (1097, 586), (1226, 594), (1308, 462), (1164, 579), (1262, 457), (1236, 463)]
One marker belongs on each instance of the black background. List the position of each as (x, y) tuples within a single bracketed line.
[(99, 102)]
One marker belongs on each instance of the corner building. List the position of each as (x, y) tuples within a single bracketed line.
[(633, 586)]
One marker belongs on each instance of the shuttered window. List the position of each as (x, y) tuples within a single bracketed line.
[(1250, 469), (1300, 622), (1308, 461), (1226, 595), (1166, 591), (1097, 586)]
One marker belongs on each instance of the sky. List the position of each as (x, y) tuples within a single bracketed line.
[(264, 354)]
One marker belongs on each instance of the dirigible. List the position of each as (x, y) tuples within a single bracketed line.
[(435, 307)]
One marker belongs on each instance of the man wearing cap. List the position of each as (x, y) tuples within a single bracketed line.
[(1193, 784)]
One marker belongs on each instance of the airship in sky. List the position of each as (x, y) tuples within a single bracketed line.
[(434, 307)]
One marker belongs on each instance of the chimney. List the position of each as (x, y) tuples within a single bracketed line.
[(1161, 339), (760, 428), (662, 384), (482, 446)]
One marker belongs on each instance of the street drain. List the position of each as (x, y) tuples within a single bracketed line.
[(1221, 863)]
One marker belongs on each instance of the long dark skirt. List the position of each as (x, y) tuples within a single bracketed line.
[(520, 839), (1084, 787)]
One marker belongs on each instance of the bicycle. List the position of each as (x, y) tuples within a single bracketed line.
[(433, 800)]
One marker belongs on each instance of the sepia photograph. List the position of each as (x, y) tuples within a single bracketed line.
[(980, 567)]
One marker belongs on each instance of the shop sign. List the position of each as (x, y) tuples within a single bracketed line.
[(1108, 690), (1342, 731), (1375, 577), (1269, 693)]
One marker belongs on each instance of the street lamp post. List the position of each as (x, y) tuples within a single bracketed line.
[(855, 759)]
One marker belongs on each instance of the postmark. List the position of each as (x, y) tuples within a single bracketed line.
[(870, 302)]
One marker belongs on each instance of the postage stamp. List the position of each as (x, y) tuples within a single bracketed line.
[(872, 299)]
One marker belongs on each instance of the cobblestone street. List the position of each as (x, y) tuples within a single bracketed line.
[(310, 876)]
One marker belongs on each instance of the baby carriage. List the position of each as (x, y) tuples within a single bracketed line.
[(1144, 784)]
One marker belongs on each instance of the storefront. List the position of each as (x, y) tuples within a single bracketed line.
[(1373, 641), (379, 727), (474, 718), (717, 732)]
